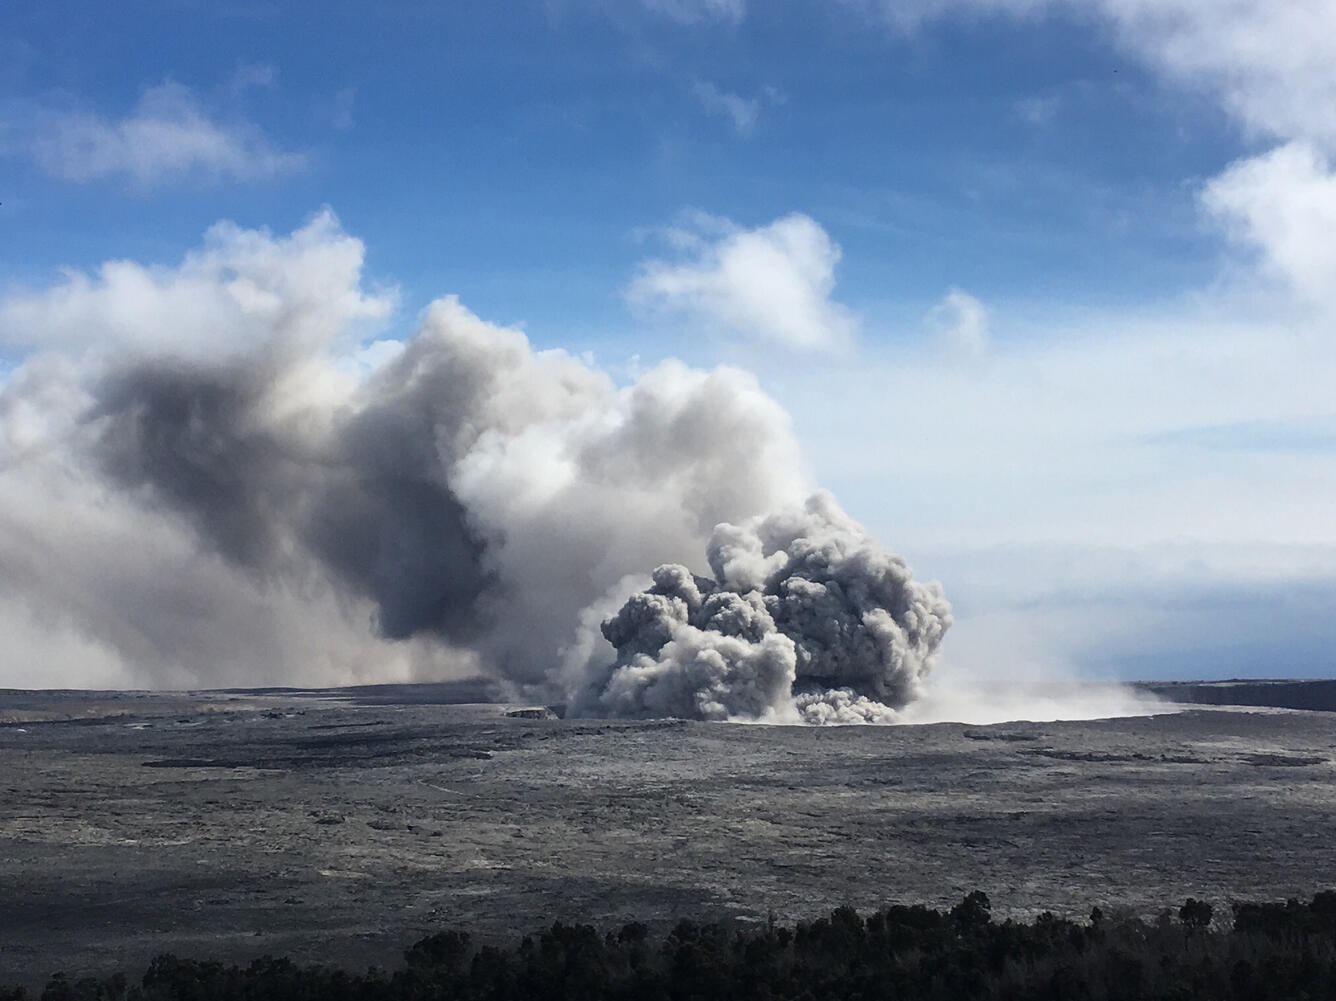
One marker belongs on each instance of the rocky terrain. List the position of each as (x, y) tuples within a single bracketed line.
[(340, 827)]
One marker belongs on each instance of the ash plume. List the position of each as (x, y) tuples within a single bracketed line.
[(212, 475), (805, 617), (365, 497)]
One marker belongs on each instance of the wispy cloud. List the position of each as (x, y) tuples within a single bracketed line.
[(252, 76), (168, 137), (772, 283), (960, 324), (342, 107), (1268, 65), (1038, 111), (742, 112), (1311, 434), (697, 11)]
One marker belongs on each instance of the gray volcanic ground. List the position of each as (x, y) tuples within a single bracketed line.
[(340, 830)]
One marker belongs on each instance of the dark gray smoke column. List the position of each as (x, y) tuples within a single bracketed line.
[(806, 618), (367, 499)]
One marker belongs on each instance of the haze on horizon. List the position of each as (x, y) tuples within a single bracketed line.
[(400, 344)]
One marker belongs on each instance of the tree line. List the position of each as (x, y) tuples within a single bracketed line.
[(1260, 951)]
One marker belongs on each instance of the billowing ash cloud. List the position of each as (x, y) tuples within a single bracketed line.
[(805, 617), (207, 480)]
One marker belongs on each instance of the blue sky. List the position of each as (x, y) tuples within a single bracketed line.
[(1065, 333), (512, 152)]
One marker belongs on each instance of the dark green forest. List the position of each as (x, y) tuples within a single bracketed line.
[(1251, 952)]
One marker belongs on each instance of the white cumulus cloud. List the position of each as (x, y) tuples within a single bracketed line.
[(224, 299), (772, 283), (1283, 203)]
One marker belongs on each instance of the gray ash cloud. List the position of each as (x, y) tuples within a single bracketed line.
[(204, 482), (805, 617)]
